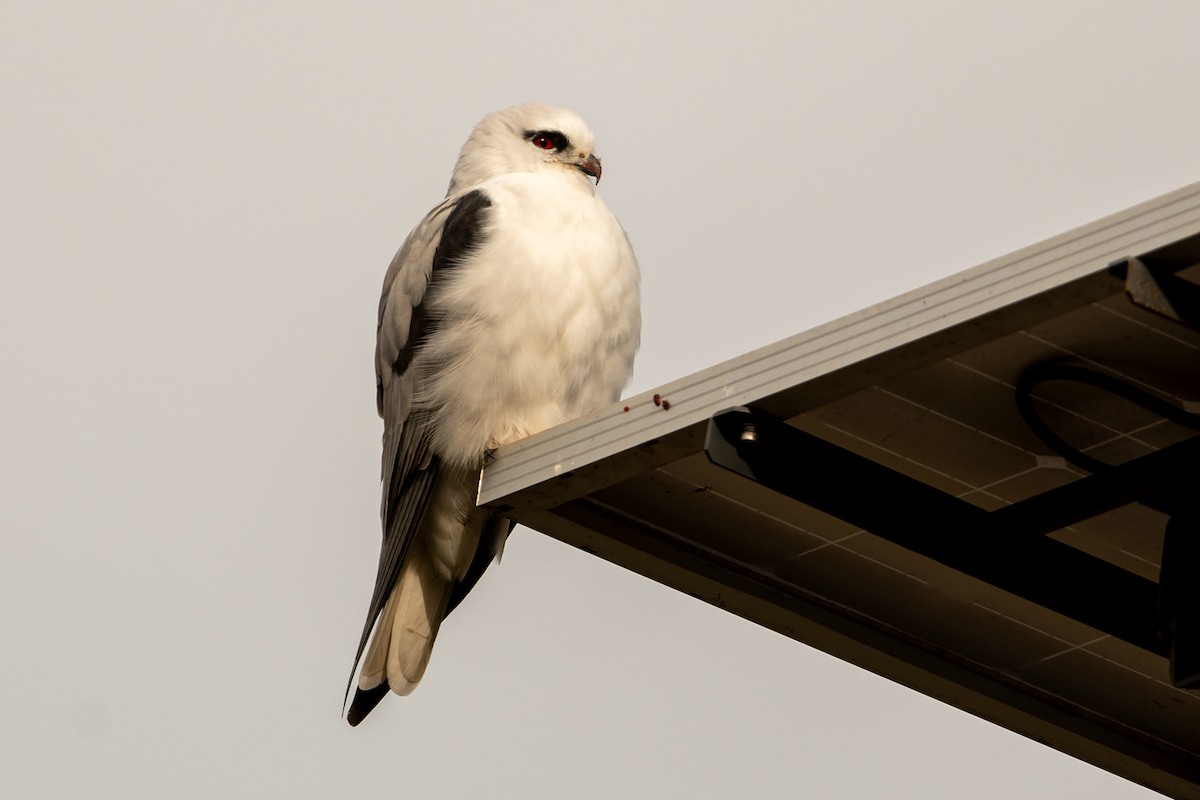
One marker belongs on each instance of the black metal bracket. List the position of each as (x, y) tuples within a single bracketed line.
[(1162, 291), (1006, 547)]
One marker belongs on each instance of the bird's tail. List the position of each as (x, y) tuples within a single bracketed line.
[(404, 634)]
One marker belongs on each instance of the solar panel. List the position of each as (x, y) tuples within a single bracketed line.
[(983, 489)]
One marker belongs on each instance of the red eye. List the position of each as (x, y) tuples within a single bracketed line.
[(543, 142)]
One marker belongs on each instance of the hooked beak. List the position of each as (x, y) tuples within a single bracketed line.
[(590, 166)]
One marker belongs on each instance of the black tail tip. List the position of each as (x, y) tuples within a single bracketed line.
[(364, 703)]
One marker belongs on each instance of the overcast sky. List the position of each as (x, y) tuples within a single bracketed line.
[(199, 201)]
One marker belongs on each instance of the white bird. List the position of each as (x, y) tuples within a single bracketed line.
[(512, 307)]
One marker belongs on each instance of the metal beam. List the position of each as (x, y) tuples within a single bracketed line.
[(1005, 548)]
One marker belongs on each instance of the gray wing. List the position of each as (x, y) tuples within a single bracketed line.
[(409, 468)]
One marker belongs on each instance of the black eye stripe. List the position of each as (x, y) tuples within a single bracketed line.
[(555, 138)]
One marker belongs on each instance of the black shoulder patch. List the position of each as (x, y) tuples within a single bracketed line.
[(461, 234), (462, 230)]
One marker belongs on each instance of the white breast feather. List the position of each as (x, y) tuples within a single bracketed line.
[(539, 326)]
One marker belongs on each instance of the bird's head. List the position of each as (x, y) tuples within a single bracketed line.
[(526, 138)]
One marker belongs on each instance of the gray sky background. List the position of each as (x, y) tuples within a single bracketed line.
[(199, 201)]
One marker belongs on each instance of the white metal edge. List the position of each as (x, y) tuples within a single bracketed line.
[(958, 298)]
